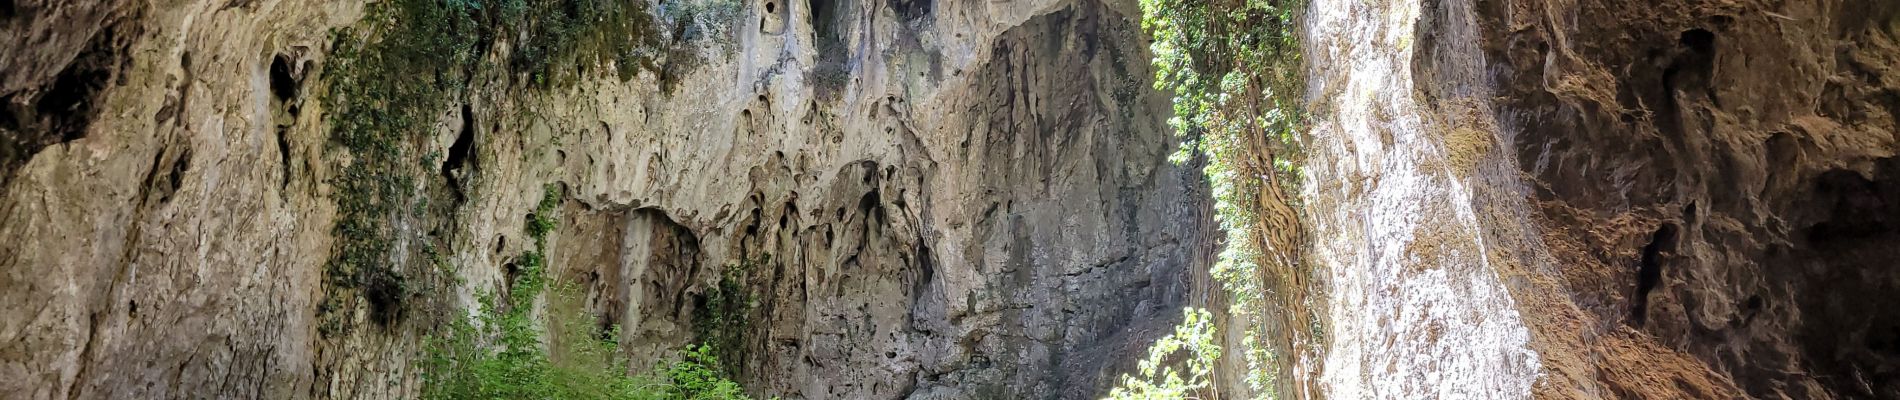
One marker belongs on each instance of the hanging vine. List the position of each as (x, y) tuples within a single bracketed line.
[(1235, 73)]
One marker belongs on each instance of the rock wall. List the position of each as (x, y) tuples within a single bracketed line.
[(1718, 179), (917, 199), (1605, 199), (914, 199), (1403, 209)]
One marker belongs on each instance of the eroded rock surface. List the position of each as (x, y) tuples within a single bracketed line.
[(1606, 199), (1720, 176), (915, 199)]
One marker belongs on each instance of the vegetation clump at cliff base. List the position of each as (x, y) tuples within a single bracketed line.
[(500, 353)]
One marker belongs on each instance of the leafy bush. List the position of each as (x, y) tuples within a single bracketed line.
[(697, 377), (500, 353), (1159, 379)]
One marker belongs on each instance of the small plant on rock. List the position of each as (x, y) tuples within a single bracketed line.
[(1159, 378)]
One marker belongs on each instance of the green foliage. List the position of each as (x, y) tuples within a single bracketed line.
[(1233, 68), (380, 97), (542, 221), (500, 353), (1159, 378), (697, 377), (578, 33), (1234, 71), (728, 309), (532, 264)]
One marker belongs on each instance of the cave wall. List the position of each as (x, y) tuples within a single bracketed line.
[(1714, 178), (916, 199), (1603, 199)]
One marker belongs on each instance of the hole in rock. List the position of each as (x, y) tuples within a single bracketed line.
[(908, 10), (384, 290), (1649, 272), (1700, 40), (1885, 341), (1860, 208), (282, 84), (177, 176), (460, 152), (283, 156)]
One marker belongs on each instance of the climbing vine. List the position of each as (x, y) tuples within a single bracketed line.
[(1234, 71)]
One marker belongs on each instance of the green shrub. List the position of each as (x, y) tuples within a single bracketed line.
[(500, 353), (697, 377), (728, 310), (1159, 377)]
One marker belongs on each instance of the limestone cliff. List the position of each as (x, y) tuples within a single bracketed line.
[(918, 199), (950, 199)]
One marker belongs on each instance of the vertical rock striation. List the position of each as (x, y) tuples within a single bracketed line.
[(1398, 197)]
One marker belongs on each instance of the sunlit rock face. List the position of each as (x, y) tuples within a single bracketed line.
[(921, 199), (1606, 199), (1401, 201)]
